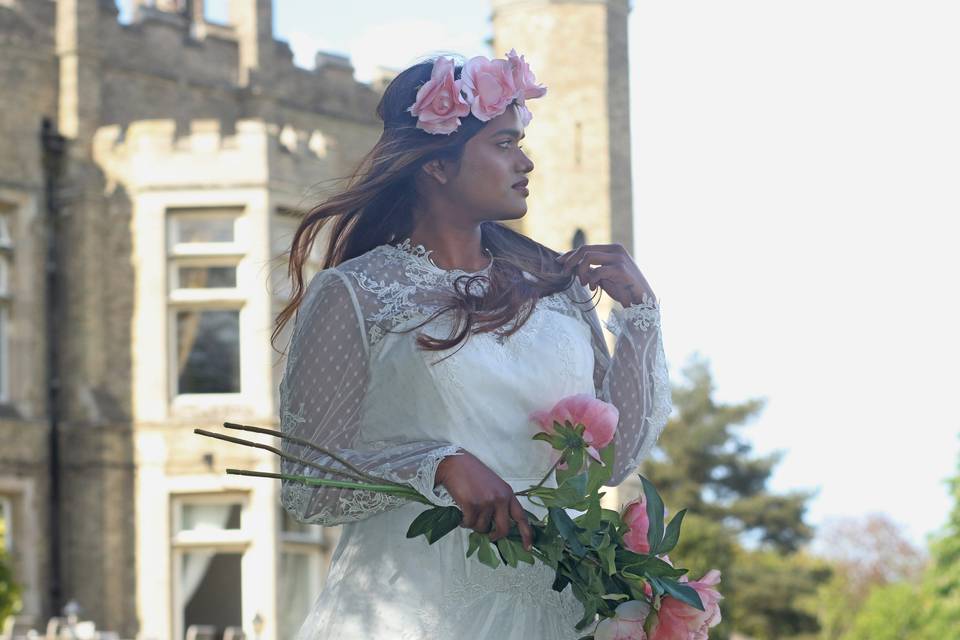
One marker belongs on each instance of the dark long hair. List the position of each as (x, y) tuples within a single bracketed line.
[(376, 208)]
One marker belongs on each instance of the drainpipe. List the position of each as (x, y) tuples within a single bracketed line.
[(53, 145)]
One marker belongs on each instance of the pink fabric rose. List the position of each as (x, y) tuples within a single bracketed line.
[(677, 620), (626, 623), (599, 419), (526, 84), (439, 105), (488, 85)]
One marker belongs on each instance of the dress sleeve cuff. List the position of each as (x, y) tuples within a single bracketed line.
[(426, 477), (642, 315)]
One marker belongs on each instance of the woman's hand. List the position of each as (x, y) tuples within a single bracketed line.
[(617, 274), (483, 496)]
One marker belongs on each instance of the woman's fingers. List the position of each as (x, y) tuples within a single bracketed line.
[(518, 515), (502, 519)]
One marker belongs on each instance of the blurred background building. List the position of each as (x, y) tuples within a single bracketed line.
[(151, 179)]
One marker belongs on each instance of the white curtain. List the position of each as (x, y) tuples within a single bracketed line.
[(195, 563)]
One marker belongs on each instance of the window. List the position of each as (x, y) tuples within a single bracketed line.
[(6, 296), (300, 572), (208, 545), (205, 251)]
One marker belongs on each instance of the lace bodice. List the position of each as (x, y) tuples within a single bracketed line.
[(354, 384)]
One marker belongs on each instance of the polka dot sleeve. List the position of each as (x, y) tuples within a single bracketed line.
[(321, 395), (635, 379)]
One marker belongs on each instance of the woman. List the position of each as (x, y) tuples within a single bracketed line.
[(423, 365)]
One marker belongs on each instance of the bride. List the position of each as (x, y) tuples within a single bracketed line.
[(425, 343)]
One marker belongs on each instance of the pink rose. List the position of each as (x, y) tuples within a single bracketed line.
[(626, 623), (439, 105), (489, 86), (635, 517), (526, 84), (599, 419), (677, 620)]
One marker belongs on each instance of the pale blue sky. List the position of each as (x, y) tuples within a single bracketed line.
[(796, 190)]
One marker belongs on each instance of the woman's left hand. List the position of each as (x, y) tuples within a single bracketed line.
[(617, 274)]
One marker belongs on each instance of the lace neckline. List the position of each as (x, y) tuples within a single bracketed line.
[(422, 256)]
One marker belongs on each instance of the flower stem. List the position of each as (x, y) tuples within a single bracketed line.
[(405, 492), (302, 442), (544, 478)]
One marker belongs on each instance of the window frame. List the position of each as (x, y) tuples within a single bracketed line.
[(215, 540), (230, 253)]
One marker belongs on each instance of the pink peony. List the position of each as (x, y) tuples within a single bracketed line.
[(439, 105), (635, 517), (526, 84), (598, 417), (677, 620), (488, 85), (626, 623)]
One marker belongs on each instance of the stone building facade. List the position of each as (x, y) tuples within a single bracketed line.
[(141, 268)]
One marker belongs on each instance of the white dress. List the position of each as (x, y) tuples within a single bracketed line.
[(396, 411)]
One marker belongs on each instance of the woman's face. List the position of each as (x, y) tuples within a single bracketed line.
[(492, 163)]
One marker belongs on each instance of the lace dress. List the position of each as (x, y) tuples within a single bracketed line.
[(396, 411)]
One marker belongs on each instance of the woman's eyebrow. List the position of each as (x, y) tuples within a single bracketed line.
[(512, 132)]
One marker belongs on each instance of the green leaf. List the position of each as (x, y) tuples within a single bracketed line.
[(682, 592), (591, 519), (448, 520), (654, 513), (567, 530), (615, 596), (672, 535), (474, 543), (560, 581), (507, 552), (589, 614), (545, 437), (424, 522), (609, 557), (659, 568), (486, 555), (575, 461)]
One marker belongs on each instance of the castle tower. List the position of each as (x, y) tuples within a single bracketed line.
[(579, 137)]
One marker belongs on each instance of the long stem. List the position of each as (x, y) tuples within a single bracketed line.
[(544, 478), (266, 447), (301, 441), (409, 492)]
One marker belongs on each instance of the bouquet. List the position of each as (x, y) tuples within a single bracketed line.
[(615, 563)]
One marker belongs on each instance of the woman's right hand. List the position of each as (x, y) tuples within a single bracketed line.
[(482, 496)]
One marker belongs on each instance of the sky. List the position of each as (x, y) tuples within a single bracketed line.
[(796, 183)]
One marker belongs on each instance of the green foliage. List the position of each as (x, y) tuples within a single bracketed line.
[(890, 613), (587, 551), (772, 595), (701, 463), (9, 590), (704, 466), (941, 586)]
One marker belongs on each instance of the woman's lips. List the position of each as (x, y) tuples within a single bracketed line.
[(522, 190)]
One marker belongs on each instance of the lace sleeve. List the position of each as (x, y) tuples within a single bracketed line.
[(635, 380), (321, 396)]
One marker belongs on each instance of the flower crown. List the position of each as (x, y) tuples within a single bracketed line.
[(485, 88)]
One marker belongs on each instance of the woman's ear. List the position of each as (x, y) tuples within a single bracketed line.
[(435, 170)]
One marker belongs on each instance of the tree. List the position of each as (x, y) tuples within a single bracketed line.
[(890, 613), (702, 465), (941, 610), (867, 553)]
